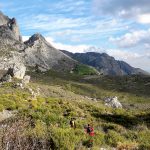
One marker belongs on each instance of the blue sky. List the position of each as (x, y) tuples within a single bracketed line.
[(120, 28)]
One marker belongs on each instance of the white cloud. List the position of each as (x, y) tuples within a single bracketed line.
[(138, 60), (95, 49), (133, 39), (137, 9), (25, 38), (74, 30), (145, 18), (61, 46), (118, 54), (71, 48), (135, 59)]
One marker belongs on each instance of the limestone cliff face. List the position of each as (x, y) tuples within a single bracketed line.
[(43, 55), (35, 52), (3, 19), (10, 49), (11, 24)]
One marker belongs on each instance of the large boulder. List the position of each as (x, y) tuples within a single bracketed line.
[(19, 70), (112, 102)]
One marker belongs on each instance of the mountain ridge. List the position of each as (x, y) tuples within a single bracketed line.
[(104, 63), (37, 52), (32, 53)]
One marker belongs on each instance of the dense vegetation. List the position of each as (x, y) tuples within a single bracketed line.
[(81, 69), (43, 123)]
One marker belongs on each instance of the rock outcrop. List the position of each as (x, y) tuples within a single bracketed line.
[(26, 80), (11, 24), (112, 102), (5, 114), (6, 78), (36, 52), (3, 19), (18, 70), (44, 56)]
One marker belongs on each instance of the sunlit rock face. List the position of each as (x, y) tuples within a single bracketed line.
[(35, 52)]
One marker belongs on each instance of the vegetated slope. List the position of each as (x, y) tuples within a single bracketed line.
[(138, 85), (44, 122), (104, 63)]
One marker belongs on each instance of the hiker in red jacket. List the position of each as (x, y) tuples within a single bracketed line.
[(90, 131)]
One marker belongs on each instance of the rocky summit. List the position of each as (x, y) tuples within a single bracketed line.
[(35, 52), (43, 55)]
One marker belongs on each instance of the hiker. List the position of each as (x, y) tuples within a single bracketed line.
[(90, 130), (72, 123)]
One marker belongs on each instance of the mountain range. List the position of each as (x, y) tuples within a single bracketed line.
[(38, 53), (105, 64)]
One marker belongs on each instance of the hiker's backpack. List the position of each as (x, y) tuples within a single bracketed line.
[(89, 130)]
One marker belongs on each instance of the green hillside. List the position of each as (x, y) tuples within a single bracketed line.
[(42, 123)]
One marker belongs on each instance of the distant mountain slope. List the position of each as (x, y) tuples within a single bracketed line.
[(104, 63)]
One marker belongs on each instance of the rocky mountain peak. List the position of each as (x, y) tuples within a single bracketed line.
[(3, 19), (35, 39), (11, 24)]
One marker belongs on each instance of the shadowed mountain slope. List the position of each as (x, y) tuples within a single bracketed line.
[(104, 63)]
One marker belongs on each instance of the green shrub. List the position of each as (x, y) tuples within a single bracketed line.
[(81, 69), (112, 138), (144, 140), (65, 139), (127, 145), (99, 138), (1, 107)]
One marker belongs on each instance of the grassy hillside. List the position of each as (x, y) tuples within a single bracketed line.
[(43, 123)]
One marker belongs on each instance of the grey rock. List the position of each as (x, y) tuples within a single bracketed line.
[(26, 80), (112, 102), (3, 19), (19, 70), (35, 52), (33, 93), (6, 78), (44, 56), (20, 85), (11, 24), (5, 114)]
